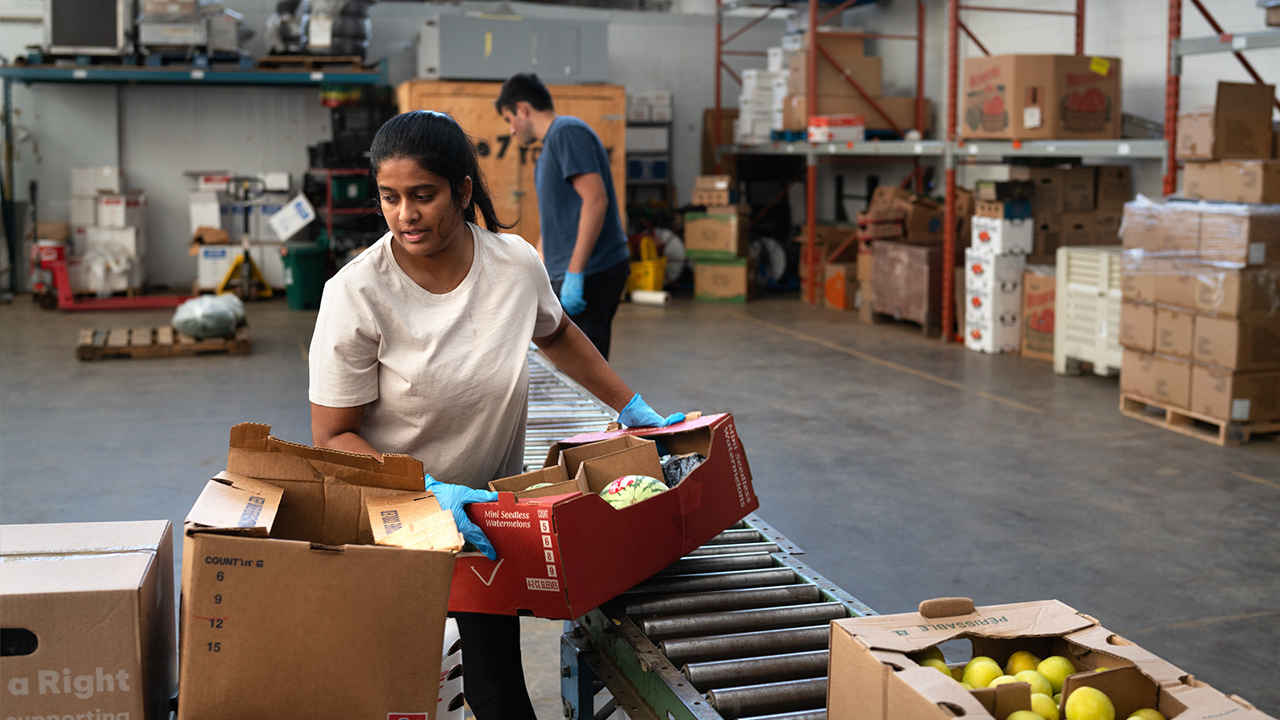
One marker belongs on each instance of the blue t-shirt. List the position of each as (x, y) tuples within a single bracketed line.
[(571, 148)]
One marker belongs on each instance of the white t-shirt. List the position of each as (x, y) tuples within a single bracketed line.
[(445, 377)]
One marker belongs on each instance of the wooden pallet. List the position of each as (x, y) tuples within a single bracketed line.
[(311, 62), (1196, 425), (153, 342)]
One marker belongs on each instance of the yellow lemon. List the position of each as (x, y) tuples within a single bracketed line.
[(1056, 669), (1038, 682), (981, 671), (1044, 706), (965, 685), (1002, 680), (1057, 699), (1088, 703), (930, 653), (1146, 714), (957, 674), (1019, 661), (1023, 715), (936, 664)]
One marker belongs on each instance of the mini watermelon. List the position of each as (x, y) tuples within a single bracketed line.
[(631, 489)]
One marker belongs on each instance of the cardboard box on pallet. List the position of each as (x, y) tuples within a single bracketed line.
[(1242, 181), (1161, 378), (1029, 97), (1039, 286), (94, 602), (1236, 234), (873, 677), (922, 216), (1138, 326), (1231, 292), (1235, 396), (840, 286), (1251, 342), (1174, 331), (283, 587), (562, 555), (1238, 125), (902, 110)]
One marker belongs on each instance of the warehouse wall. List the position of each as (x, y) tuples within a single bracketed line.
[(157, 132)]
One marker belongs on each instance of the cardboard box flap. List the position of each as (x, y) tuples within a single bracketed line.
[(412, 520), (254, 452), (48, 558), (232, 503), (893, 632)]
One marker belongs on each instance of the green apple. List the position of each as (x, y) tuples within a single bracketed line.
[(980, 671), (1086, 703), (1044, 706), (1019, 661), (1056, 669), (1038, 682)]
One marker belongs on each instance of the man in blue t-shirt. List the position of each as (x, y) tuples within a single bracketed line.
[(582, 242)]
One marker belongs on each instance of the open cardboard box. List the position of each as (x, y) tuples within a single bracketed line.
[(873, 676), (285, 591), (563, 550)]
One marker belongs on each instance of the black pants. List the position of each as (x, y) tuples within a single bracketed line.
[(492, 674), (603, 292)]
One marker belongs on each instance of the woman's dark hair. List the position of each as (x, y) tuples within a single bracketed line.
[(438, 144), (525, 87)]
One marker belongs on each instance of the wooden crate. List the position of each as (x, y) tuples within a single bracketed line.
[(906, 281), (508, 167), (153, 342), (1196, 425)]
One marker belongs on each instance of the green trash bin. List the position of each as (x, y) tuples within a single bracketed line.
[(304, 273)]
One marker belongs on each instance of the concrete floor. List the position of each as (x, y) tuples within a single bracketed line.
[(907, 469)]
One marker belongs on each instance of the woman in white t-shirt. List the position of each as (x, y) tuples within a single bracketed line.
[(421, 347)]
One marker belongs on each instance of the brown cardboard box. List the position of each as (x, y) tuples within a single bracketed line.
[(1114, 189), (1046, 238), (1175, 284), (1239, 397), (866, 70), (1029, 97), (836, 43), (1039, 289), (715, 237), (713, 198), (100, 612), (1231, 293), (725, 281), (728, 163), (1171, 381), (58, 231), (1107, 228), (1048, 194), (1175, 330), (1138, 326), (168, 7), (873, 676), (840, 287), (713, 182), (1138, 283), (1243, 181), (1179, 227), (922, 217), (1079, 229), (1247, 343), (1237, 126), (1078, 188), (901, 109), (1136, 377), (1141, 227), (1240, 235), (283, 587)]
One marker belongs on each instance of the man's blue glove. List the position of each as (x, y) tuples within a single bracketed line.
[(571, 294), (452, 498), (637, 413)]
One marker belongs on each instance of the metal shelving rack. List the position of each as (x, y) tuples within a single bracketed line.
[(1234, 43), (813, 153)]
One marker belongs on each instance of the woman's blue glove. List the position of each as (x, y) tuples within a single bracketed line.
[(452, 498), (637, 413), (571, 294)]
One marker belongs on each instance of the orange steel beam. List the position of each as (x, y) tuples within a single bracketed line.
[(1079, 27), (1172, 99), (974, 38)]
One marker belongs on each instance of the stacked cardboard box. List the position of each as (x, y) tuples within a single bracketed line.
[(1075, 206), (1228, 147), (653, 106), (108, 232), (211, 207), (759, 106), (1000, 239), (1041, 97), (716, 240), (1200, 320), (840, 288), (836, 96)]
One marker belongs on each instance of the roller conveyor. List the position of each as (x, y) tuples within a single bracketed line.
[(738, 628)]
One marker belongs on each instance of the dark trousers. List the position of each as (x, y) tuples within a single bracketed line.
[(603, 292), (492, 674)]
